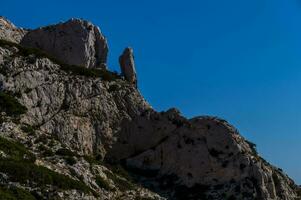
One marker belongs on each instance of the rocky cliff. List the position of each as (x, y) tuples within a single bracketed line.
[(73, 130)]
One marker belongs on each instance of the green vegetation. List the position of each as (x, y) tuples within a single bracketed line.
[(119, 170), (65, 152), (78, 70), (102, 183), (14, 193), (42, 139), (92, 160), (119, 175), (10, 105), (7, 43), (143, 198), (15, 151), (122, 183), (68, 155), (20, 167), (75, 70), (45, 151), (23, 172), (28, 129), (70, 160)]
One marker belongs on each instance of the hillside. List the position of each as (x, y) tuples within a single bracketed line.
[(71, 129)]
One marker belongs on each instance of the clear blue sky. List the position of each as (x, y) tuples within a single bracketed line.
[(238, 59)]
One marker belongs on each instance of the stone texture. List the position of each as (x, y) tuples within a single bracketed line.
[(127, 65), (9, 31), (75, 42), (177, 158)]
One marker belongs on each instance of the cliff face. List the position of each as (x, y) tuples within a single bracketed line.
[(75, 42), (76, 132)]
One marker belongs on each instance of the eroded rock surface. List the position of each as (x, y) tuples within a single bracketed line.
[(75, 42), (127, 65), (10, 32), (83, 126)]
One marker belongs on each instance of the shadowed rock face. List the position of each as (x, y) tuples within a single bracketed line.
[(127, 65), (109, 120), (75, 42)]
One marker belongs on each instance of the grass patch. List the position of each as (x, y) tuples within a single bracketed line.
[(10, 105), (14, 193)]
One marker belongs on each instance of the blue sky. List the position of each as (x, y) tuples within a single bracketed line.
[(239, 60)]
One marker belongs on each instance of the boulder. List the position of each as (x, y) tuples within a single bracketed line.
[(127, 65), (75, 42)]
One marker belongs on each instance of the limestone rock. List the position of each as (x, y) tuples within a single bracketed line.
[(127, 65), (104, 122), (75, 42), (9, 32)]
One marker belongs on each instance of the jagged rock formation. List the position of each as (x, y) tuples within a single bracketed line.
[(75, 42), (127, 65), (82, 126), (9, 31)]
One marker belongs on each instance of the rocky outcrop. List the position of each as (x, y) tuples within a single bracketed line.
[(89, 126), (9, 31), (75, 42), (127, 66), (203, 154)]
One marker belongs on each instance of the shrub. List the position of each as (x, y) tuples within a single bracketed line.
[(23, 172), (15, 150), (10, 105), (28, 129), (68, 155), (7, 43), (41, 139), (121, 183), (65, 152), (102, 183), (70, 160), (92, 160), (20, 167), (79, 70), (14, 193), (45, 151)]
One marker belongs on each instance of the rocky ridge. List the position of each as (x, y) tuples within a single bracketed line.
[(78, 131)]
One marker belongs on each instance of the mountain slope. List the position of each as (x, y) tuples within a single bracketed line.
[(76, 132)]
